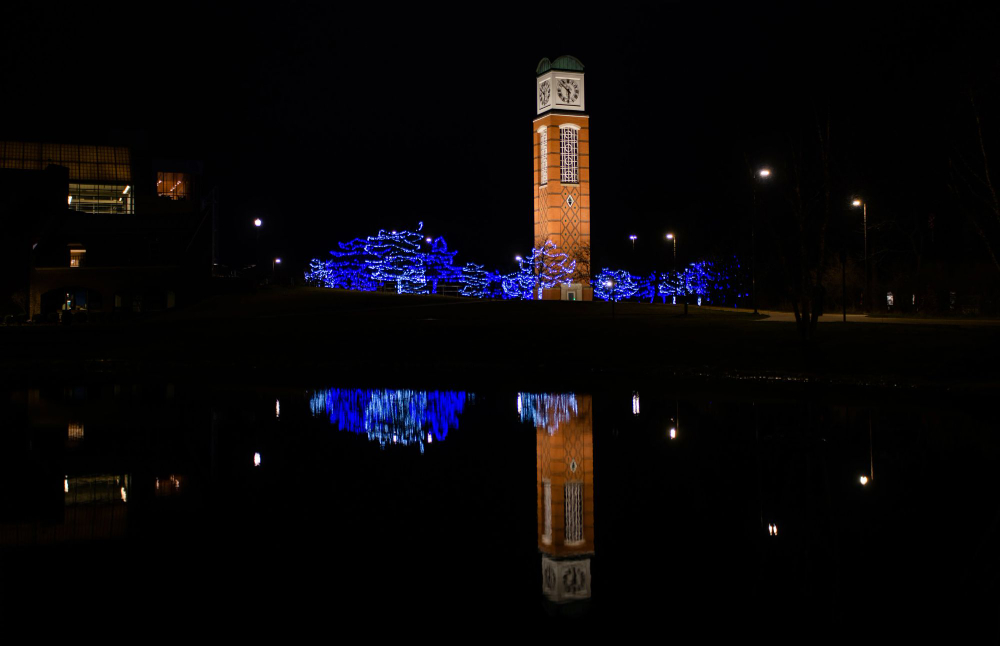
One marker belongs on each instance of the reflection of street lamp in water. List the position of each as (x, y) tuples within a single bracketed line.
[(871, 456)]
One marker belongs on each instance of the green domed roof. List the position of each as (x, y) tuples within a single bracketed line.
[(563, 63)]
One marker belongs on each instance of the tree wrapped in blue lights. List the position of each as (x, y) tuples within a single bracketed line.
[(547, 409), (474, 280), (615, 285), (350, 268), (404, 417), (551, 266), (400, 260), (439, 265), (520, 284), (545, 268)]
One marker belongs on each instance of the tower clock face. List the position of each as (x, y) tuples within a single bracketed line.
[(568, 91), (544, 92)]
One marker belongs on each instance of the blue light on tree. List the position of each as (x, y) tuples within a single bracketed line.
[(547, 409), (404, 417), (710, 281), (615, 285), (475, 280), (545, 268), (439, 265), (400, 260)]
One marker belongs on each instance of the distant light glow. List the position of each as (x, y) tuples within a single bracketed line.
[(764, 172), (66, 484), (69, 199), (124, 495), (257, 222), (670, 236), (428, 239), (635, 403), (772, 529), (256, 459), (127, 187), (633, 237), (673, 433), (277, 408), (856, 203), (277, 260), (864, 480)]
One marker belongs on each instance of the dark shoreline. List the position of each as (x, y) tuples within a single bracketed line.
[(305, 335)]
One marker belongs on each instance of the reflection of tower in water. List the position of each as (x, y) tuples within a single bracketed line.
[(565, 484)]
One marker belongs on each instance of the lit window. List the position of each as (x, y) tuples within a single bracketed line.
[(568, 155), (76, 257), (101, 198), (543, 154), (176, 186)]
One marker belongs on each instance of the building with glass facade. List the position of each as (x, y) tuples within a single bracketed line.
[(100, 229)]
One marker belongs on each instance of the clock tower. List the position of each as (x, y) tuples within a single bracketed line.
[(562, 169)]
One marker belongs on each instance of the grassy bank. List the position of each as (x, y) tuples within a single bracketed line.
[(328, 332)]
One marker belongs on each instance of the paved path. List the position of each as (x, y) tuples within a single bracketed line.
[(830, 317)]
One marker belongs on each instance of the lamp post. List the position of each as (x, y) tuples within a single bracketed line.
[(761, 175), (865, 295), (632, 238), (257, 223), (276, 261), (672, 237)]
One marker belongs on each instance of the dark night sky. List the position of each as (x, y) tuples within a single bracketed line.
[(331, 124)]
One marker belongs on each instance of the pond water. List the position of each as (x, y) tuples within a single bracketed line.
[(715, 512)]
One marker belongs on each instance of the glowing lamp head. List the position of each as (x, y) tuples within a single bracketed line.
[(518, 258), (257, 222), (670, 236), (632, 237), (256, 459), (608, 283), (856, 203), (277, 261), (864, 480), (765, 172), (673, 433)]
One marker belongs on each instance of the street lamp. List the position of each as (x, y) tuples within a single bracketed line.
[(256, 249), (276, 261), (865, 297), (632, 238), (672, 237), (762, 174)]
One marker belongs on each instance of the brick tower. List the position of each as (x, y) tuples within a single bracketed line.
[(562, 169), (564, 463)]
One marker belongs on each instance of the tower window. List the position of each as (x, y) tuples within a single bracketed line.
[(76, 257), (574, 513), (568, 155), (543, 154)]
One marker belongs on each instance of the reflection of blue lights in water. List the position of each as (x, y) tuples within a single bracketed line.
[(547, 409), (392, 416)]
